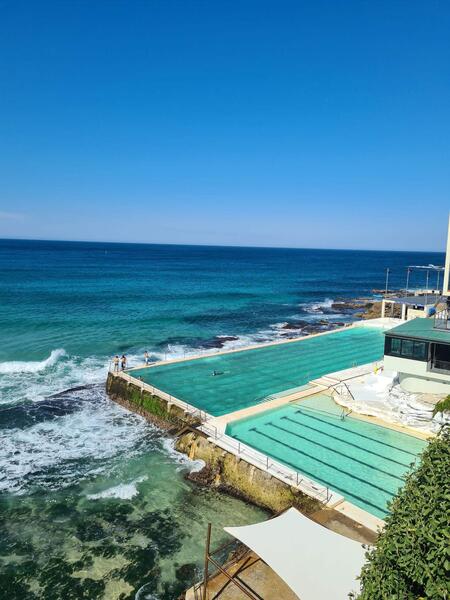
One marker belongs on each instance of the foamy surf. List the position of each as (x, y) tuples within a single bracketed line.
[(123, 491), (193, 466), (18, 366), (75, 446), (317, 307)]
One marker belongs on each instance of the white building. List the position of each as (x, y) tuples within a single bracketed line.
[(419, 350)]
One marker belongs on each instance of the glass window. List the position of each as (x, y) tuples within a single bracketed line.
[(396, 346), (420, 350), (407, 348)]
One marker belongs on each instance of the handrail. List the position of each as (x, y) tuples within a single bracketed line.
[(192, 410), (270, 465), (442, 319), (347, 393)]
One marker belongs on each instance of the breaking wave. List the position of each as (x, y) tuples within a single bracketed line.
[(123, 491), (32, 366), (192, 465), (60, 451), (318, 307)]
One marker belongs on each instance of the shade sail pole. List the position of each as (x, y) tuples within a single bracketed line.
[(205, 575)]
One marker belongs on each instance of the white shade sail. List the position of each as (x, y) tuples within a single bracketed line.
[(316, 563)]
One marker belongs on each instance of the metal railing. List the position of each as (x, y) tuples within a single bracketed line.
[(197, 413), (442, 366), (266, 463), (442, 319), (262, 461), (344, 392)]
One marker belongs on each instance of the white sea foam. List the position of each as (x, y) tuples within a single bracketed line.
[(317, 307), (123, 491), (32, 366), (61, 450), (193, 466), (144, 594), (34, 381)]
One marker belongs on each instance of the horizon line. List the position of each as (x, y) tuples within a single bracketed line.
[(204, 245), (25, 239)]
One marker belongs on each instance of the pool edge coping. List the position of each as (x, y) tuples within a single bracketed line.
[(378, 323)]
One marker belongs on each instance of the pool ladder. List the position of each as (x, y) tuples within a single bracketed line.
[(343, 391)]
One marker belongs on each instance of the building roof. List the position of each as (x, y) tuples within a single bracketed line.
[(428, 300), (420, 329), (316, 563)]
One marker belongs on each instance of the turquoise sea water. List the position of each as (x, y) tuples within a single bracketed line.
[(228, 382), (362, 461), (93, 501)]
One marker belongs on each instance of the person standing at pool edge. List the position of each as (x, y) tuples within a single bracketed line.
[(146, 357), (116, 363), (123, 362)]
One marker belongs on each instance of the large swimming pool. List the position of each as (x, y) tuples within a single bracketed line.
[(364, 462), (227, 382)]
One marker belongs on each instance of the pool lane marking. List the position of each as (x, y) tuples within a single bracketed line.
[(361, 462), (335, 437), (367, 437), (324, 481)]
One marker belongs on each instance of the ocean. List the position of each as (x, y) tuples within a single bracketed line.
[(94, 502)]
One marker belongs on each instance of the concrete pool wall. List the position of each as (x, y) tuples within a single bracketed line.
[(240, 469), (225, 382), (233, 467)]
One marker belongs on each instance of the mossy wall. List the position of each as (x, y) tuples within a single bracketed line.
[(228, 472), (223, 470), (154, 408)]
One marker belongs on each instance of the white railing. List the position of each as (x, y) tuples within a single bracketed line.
[(188, 408), (266, 463), (258, 459)]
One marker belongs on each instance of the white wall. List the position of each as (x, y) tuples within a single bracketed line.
[(414, 377)]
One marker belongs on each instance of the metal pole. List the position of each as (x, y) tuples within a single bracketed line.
[(387, 281), (232, 580), (205, 575), (407, 279)]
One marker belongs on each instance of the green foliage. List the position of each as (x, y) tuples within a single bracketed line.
[(412, 558), (442, 406)]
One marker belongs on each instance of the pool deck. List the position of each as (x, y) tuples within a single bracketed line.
[(214, 427)]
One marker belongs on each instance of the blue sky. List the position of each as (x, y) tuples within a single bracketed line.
[(304, 124)]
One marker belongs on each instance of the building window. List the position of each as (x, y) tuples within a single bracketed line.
[(396, 346), (408, 348), (405, 348), (441, 357), (421, 350)]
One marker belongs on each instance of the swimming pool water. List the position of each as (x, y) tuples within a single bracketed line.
[(366, 463), (247, 377)]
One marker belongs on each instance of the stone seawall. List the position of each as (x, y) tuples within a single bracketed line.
[(234, 475), (163, 413), (223, 470)]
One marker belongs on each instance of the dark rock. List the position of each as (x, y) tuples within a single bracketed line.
[(293, 325), (205, 476)]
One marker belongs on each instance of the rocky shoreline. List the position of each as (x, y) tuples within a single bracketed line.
[(349, 310)]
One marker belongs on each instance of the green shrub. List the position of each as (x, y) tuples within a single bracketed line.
[(411, 560), (442, 406)]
